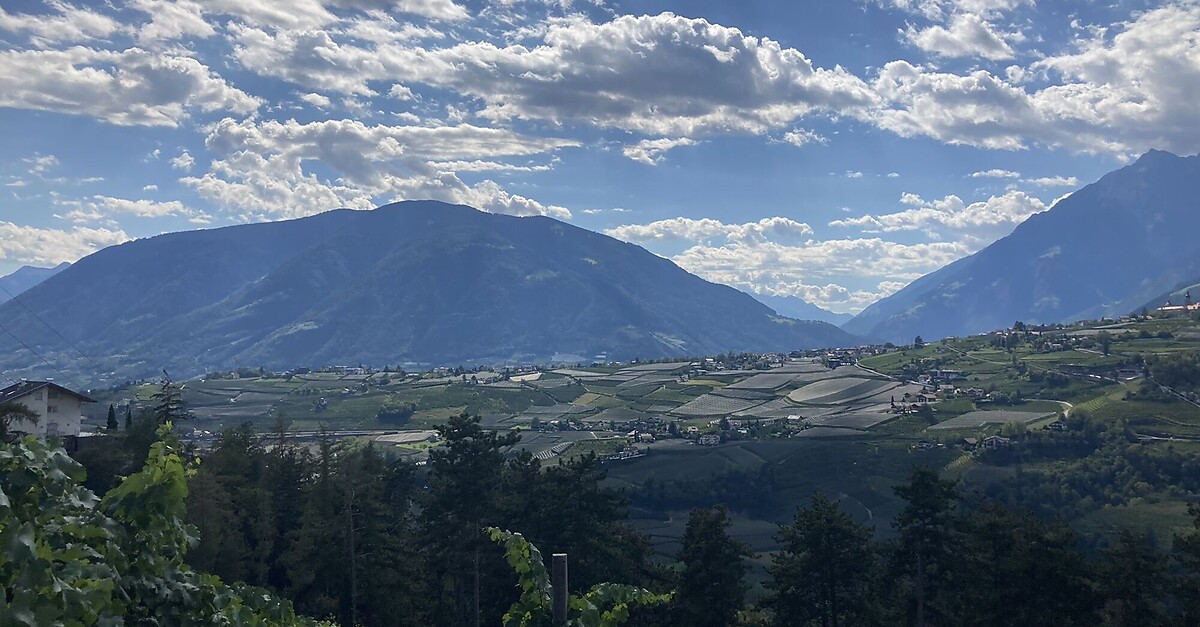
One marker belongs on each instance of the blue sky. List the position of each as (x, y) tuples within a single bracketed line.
[(832, 150)]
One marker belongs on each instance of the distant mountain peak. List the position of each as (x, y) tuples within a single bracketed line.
[(420, 282), (25, 278), (1117, 243)]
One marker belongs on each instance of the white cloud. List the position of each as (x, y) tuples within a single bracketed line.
[(133, 87), (833, 296), (940, 9), (799, 137), (41, 165), (652, 151), (976, 224), (261, 170), (1124, 89), (995, 173), (184, 161), (1053, 181), (968, 35), (710, 230), (772, 265), (48, 247), (778, 255), (102, 209), (66, 25), (659, 75), (171, 20), (317, 100), (150, 188), (853, 174)]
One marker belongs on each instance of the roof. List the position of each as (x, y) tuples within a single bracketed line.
[(25, 388)]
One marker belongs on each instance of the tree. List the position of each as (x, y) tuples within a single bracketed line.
[(11, 413), (1105, 339), (461, 499), (111, 425), (1016, 570), (712, 584), (822, 574), (924, 557), (918, 342), (129, 416), (1187, 555), (168, 403), (1133, 583), (69, 558), (605, 605)]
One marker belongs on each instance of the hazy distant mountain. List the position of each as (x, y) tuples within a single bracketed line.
[(800, 309), (1176, 296), (1105, 250), (415, 282), (25, 278)]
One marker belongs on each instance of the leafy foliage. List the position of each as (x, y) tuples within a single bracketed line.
[(73, 559), (604, 605)]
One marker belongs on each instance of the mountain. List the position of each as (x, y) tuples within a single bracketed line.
[(1105, 250), (24, 278), (1176, 296), (800, 309), (422, 283)]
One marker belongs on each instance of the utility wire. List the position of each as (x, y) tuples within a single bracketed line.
[(27, 347), (97, 366)]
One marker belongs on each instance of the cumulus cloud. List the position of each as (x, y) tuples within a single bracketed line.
[(661, 75), (783, 267), (651, 151), (967, 35), (1053, 181), (184, 161), (67, 24), (979, 222), (261, 170), (995, 173), (710, 230), (171, 20), (779, 255), (833, 296), (1124, 89), (941, 9), (799, 137), (317, 100), (48, 247), (132, 87)]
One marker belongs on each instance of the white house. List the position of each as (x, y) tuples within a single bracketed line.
[(59, 410)]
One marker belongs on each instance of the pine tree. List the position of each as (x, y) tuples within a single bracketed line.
[(461, 499), (926, 544), (1133, 583), (129, 416), (823, 571), (168, 403), (111, 425), (712, 585)]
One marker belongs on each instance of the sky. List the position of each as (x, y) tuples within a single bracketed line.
[(832, 150)]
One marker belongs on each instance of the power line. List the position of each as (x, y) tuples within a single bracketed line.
[(27, 347), (99, 369)]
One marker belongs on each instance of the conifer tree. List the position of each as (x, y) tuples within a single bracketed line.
[(822, 574), (712, 585)]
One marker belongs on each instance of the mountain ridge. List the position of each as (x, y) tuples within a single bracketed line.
[(419, 282), (1104, 250), (25, 278)]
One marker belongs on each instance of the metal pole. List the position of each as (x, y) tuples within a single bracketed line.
[(558, 579)]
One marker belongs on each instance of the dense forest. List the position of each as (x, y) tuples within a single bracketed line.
[(341, 533)]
